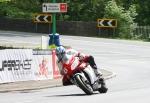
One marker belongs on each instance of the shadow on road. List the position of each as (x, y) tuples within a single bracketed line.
[(67, 95)]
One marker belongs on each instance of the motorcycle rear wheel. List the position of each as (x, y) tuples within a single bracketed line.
[(103, 89)]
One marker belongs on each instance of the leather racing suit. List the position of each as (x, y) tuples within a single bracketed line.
[(67, 56)]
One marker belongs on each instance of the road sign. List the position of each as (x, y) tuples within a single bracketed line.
[(42, 18), (109, 23), (54, 7)]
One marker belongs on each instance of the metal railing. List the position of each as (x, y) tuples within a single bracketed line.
[(142, 32)]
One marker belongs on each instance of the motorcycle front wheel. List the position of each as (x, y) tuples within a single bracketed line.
[(84, 85)]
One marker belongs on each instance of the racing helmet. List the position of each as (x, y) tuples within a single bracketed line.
[(60, 51)]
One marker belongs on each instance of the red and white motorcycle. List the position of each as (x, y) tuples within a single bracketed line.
[(82, 75)]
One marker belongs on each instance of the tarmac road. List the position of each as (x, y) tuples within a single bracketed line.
[(130, 60)]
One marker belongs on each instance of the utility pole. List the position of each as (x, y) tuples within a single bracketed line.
[(54, 23)]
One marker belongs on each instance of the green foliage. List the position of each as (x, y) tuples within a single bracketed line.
[(142, 7), (125, 11), (125, 18), (13, 12), (78, 10), (4, 0), (84, 10), (19, 8)]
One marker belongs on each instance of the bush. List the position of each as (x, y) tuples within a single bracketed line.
[(125, 19), (19, 8)]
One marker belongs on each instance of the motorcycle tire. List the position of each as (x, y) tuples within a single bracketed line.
[(103, 89), (83, 85)]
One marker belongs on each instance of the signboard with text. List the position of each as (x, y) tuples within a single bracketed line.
[(54, 7), (16, 65)]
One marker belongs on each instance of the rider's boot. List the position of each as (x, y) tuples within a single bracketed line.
[(100, 77), (102, 82), (103, 88), (96, 71)]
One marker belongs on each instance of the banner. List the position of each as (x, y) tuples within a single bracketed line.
[(15, 65), (26, 64), (42, 65)]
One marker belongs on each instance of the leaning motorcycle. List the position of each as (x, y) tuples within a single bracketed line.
[(82, 75)]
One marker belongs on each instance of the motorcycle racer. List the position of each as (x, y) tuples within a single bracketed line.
[(64, 57)]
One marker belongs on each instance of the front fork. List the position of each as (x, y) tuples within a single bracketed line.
[(89, 71), (93, 78), (81, 74)]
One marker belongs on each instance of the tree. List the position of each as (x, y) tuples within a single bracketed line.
[(20, 8), (125, 18), (142, 7), (85, 10)]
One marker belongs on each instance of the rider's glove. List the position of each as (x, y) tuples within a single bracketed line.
[(80, 56)]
